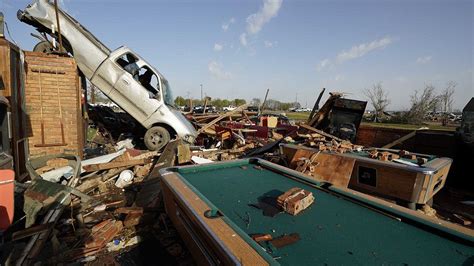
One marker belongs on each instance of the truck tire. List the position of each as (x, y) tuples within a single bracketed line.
[(156, 138)]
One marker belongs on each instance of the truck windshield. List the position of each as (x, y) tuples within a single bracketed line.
[(167, 94)]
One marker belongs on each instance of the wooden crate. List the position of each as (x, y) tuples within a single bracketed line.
[(53, 105)]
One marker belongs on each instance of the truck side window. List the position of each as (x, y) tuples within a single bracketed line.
[(148, 80), (128, 62)]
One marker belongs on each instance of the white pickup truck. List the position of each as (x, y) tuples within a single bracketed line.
[(122, 75)]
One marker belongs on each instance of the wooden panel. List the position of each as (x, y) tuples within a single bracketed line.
[(391, 182), (53, 101), (331, 168), (334, 169)]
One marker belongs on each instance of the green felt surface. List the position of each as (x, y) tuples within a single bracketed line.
[(333, 231)]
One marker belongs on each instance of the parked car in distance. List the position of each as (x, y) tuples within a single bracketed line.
[(199, 109), (300, 110), (229, 108)]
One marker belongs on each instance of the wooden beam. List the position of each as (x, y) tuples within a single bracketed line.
[(320, 132), (316, 106), (107, 166), (219, 118), (36, 229)]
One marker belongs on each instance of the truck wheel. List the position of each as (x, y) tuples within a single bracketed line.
[(156, 138)]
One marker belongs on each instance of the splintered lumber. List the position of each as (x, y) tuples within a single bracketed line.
[(310, 128), (219, 118), (316, 106), (111, 165), (40, 228), (322, 113)]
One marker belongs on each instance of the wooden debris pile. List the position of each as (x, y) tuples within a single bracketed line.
[(98, 213)]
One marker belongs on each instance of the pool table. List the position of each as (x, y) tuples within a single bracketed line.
[(408, 185), (213, 208)]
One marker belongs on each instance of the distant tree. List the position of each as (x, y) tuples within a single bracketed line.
[(272, 104), (421, 103), (239, 102), (446, 100), (180, 101), (446, 97), (217, 103), (225, 102), (95, 95), (286, 106), (378, 98), (256, 102)]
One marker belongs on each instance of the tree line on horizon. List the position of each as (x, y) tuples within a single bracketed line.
[(270, 104)]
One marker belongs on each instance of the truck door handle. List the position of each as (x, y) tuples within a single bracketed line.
[(126, 82)]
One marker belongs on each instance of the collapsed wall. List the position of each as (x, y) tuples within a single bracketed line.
[(53, 104)]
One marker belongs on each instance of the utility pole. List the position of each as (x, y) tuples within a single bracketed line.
[(201, 92), (59, 26), (264, 101)]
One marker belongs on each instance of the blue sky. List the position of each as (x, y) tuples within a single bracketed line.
[(238, 49)]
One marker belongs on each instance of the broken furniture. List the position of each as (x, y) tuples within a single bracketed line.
[(386, 175), (339, 116), (211, 207), (13, 119)]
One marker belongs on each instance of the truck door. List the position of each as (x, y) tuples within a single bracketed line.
[(137, 90)]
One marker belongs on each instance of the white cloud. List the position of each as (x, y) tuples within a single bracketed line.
[(243, 39), (218, 47), (268, 11), (362, 49), (256, 21), (424, 60), (269, 44), (324, 64), (217, 71), (355, 52), (225, 26)]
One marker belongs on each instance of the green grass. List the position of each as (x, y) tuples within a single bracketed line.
[(304, 116), (298, 116), (409, 126)]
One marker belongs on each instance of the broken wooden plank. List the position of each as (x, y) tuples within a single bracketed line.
[(310, 128), (31, 231), (111, 165), (219, 118), (128, 210), (184, 153)]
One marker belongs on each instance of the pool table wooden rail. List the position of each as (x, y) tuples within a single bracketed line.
[(211, 241)]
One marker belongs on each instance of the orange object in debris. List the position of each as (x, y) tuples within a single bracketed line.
[(7, 187)]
